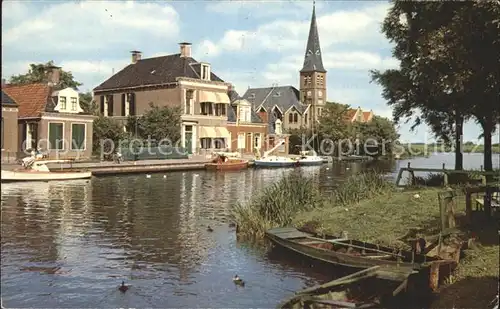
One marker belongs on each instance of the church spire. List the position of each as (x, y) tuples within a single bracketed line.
[(312, 59)]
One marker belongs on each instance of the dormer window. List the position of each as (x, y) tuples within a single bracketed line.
[(277, 94), (205, 71), (252, 96), (62, 103), (74, 103), (245, 114)]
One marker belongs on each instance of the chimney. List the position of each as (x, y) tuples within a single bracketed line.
[(185, 49), (53, 75), (136, 56)]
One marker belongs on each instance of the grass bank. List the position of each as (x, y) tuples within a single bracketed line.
[(278, 204), (373, 210)]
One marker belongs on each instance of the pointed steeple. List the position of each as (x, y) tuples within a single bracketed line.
[(312, 59)]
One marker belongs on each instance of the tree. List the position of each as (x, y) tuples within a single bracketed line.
[(38, 74), (449, 66), (332, 122), (88, 104), (105, 130), (158, 123), (378, 136)]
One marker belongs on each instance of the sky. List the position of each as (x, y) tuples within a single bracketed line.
[(248, 43)]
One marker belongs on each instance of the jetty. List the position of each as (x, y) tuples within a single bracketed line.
[(483, 175)]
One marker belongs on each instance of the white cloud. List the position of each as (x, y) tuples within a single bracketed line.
[(354, 27), (261, 9), (98, 24)]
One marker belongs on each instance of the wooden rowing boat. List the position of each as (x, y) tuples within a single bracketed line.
[(368, 288), (223, 163), (345, 252)]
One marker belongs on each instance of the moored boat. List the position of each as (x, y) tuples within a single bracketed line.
[(38, 171), (224, 163), (308, 158), (368, 288), (275, 161), (358, 254)]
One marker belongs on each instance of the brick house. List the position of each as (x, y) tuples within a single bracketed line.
[(358, 115), (172, 80), (9, 120), (247, 130), (50, 118)]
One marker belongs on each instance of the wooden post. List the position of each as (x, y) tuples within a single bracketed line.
[(434, 276), (445, 179), (468, 205)]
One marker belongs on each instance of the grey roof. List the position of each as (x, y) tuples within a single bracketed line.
[(154, 71), (231, 111), (284, 97), (312, 59), (7, 100)]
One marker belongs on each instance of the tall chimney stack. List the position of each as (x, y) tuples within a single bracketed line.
[(136, 56), (185, 49), (53, 75)]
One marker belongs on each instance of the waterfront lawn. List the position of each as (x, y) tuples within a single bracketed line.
[(383, 219)]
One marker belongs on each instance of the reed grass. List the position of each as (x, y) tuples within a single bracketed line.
[(276, 205), (280, 203)]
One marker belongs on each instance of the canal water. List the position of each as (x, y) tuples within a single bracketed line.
[(70, 244)]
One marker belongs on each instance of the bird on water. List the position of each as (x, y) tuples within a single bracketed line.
[(123, 288), (238, 281)]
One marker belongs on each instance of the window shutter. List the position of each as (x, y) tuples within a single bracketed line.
[(132, 104), (102, 105), (123, 103), (110, 105)]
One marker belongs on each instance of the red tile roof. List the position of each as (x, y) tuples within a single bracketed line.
[(31, 98), (350, 113), (366, 116)]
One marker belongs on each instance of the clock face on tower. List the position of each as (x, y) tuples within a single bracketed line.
[(309, 93), (320, 93)]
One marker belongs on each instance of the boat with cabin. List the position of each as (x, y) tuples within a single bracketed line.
[(226, 162), (310, 158), (268, 160), (37, 170)]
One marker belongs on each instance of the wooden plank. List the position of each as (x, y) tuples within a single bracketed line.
[(402, 286), (332, 302), (337, 242), (347, 279)]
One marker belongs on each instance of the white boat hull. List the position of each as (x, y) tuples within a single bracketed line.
[(275, 162), (311, 160), (9, 176)]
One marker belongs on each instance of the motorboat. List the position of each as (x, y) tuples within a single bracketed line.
[(268, 160), (275, 161), (309, 158), (37, 170), (221, 162)]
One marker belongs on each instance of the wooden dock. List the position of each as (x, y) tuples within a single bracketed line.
[(446, 173)]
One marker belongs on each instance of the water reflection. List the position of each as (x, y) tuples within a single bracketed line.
[(70, 244)]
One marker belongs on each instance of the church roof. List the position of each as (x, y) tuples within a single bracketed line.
[(313, 61)]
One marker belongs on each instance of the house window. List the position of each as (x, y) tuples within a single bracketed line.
[(62, 103), (359, 116), (206, 108), (305, 118), (189, 99), (295, 118), (257, 141), (78, 136), (317, 81), (74, 102), (220, 109), (205, 143), (205, 72), (245, 114), (308, 80), (219, 143), (320, 78), (56, 135), (109, 105), (241, 141)]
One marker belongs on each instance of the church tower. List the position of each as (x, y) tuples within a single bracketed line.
[(313, 75)]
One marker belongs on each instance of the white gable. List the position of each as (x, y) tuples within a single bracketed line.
[(67, 100)]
